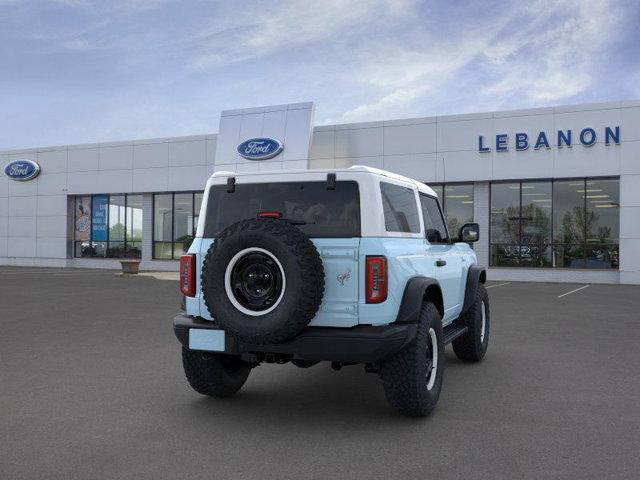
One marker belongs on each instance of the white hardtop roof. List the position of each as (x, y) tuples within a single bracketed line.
[(353, 169)]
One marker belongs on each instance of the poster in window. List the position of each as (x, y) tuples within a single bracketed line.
[(83, 218), (99, 218)]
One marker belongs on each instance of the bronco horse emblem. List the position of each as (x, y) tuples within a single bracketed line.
[(343, 277)]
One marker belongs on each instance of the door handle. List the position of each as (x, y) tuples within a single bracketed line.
[(441, 263)]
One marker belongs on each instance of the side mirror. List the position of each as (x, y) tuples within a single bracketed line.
[(470, 232)]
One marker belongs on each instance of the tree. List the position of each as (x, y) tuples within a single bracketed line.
[(116, 232)]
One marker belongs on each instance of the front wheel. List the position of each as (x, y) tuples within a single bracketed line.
[(472, 346), (412, 378), (214, 374)]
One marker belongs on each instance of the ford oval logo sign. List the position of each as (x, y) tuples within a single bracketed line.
[(260, 148), (22, 170)]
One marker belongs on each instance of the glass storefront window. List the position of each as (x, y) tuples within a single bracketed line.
[(108, 226), (175, 219), (568, 223), (117, 219), (603, 223), (568, 212), (82, 226), (134, 226), (458, 206), (456, 200), (505, 224), (183, 229), (197, 203), (535, 249), (564, 224), (162, 225)]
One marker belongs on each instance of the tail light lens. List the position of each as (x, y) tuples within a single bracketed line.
[(188, 275), (376, 279)]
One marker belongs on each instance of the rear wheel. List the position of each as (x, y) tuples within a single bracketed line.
[(412, 378), (214, 374)]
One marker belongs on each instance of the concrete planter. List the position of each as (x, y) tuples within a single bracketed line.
[(131, 267)]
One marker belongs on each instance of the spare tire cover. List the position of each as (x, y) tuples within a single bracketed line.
[(262, 280)]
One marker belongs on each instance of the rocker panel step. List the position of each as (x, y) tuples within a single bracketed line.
[(453, 331)]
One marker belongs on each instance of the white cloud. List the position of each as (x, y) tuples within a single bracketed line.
[(543, 53), (160, 67), (397, 98), (254, 33), (404, 77), (554, 63), (120, 6)]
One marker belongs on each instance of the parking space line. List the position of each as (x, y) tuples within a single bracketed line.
[(498, 285), (70, 274), (22, 273), (573, 291), (56, 273)]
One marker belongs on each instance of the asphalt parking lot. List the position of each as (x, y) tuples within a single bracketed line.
[(91, 386)]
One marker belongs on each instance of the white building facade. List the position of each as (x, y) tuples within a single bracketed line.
[(556, 191)]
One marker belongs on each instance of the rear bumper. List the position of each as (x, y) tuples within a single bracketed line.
[(361, 344)]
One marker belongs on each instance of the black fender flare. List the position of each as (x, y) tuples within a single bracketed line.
[(475, 275), (415, 291)]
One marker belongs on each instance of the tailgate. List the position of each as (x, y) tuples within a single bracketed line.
[(339, 306)]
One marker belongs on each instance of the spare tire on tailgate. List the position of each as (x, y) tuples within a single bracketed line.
[(262, 280)]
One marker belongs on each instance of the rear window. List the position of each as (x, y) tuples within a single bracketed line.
[(400, 209), (320, 211)]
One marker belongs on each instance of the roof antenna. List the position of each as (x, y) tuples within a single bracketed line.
[(444, 171)]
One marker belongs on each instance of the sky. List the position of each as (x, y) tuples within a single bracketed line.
[(80, 71)]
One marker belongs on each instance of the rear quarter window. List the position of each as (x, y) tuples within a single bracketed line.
[(400, 208), (317, 211)]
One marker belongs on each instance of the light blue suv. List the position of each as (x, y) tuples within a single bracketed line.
[(347, 266)]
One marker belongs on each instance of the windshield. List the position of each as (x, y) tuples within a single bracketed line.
[(316, 210)]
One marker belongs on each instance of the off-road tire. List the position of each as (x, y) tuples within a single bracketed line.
[(404, 375), (214, 374), (472, 346), (303, 271)]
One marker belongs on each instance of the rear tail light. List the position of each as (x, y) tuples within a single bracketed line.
[(376, 279), (188, 275)]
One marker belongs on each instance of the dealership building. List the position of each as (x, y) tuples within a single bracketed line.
[(556, 190)]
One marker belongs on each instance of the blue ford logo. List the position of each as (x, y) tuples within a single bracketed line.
[(22, 170), (260, 148)]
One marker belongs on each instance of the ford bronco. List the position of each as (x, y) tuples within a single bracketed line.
[(350, 266)]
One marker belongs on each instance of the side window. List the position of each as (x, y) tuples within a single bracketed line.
[(400, 209), (434, 225)]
